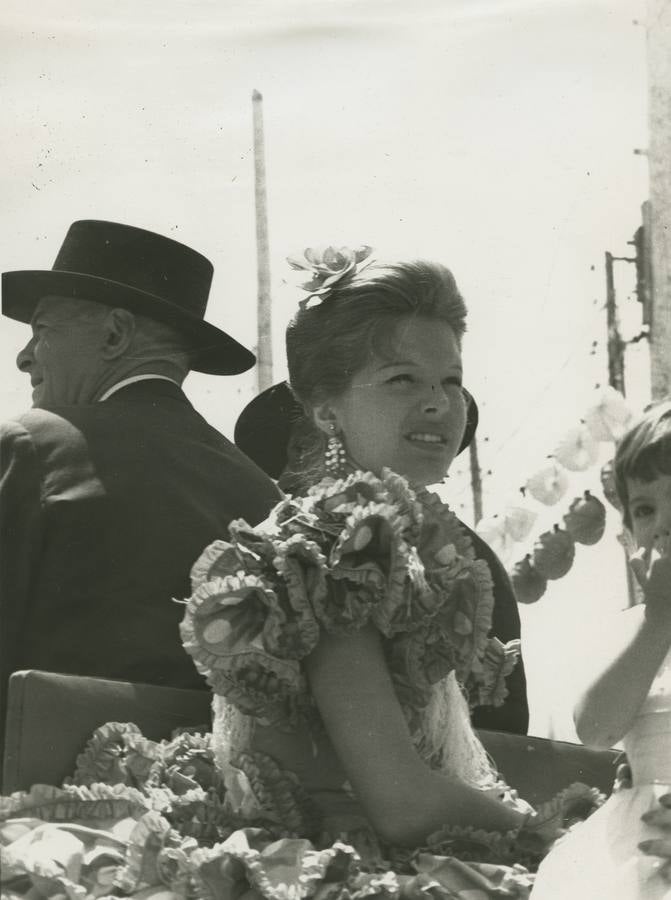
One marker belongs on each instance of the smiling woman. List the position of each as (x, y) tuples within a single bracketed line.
[(391, 614), (404, 410), (347, 639), (377, 363)]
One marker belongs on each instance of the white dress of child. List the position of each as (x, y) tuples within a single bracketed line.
[(599, 859)]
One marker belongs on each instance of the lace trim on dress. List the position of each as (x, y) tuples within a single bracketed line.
[(232, 730), (448, 739)]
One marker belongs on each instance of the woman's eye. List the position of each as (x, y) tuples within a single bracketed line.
[(640, 512), (401, 378), (454, 381)]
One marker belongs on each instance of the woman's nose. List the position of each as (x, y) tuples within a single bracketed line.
[(436, 400), (25, 357)]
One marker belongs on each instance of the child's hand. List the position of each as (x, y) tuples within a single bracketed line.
[(653, 573)]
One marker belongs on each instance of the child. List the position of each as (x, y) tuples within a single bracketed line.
[(630, 697)]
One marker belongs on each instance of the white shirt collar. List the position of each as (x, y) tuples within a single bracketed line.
[(121, 384)]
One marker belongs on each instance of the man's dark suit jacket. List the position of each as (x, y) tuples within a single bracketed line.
[(103, 510)]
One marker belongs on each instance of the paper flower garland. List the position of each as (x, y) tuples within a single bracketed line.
[(553, 553), (586, 519), (609, 417), (578, 450), (494, 532), (519, 518), (528, 583), (549, 484)]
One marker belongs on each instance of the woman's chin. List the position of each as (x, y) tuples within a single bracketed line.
[(425, 476), (418, 472)]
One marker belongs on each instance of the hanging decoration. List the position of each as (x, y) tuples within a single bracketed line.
[(585, 520), (549, 484), (609, 417), (553, 553), (528, 583), (493, 531), (578, 450), (519, 518)]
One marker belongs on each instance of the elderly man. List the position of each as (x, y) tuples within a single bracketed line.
[(113, 484)]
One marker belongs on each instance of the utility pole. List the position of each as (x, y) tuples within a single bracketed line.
[(476, 480), (615, 348), (615, 343), (659, 154), (264, 346)]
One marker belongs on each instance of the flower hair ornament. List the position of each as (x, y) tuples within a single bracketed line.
[(327, 267)]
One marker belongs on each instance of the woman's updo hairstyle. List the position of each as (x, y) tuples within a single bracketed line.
[(328, 342)]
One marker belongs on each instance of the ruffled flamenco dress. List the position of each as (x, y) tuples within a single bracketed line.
[(600, 857), (261, 808)]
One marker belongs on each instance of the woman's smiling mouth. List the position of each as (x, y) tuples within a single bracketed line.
[(427, 438)]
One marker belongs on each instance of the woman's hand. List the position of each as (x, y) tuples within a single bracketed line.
[(404, 799), (556, 816)]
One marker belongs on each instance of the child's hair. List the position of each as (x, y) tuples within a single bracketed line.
[(644, 452), (328, 343)]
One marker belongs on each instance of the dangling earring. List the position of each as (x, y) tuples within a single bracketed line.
[(335, 456)]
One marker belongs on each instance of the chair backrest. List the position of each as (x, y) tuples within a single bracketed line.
[(50, 717), (539, 768)]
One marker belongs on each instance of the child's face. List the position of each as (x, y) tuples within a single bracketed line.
[(650, 513)]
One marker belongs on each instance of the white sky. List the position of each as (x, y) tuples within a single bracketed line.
[(496, 137)]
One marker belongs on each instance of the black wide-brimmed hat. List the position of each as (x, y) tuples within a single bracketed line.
[(264, 427), (138, 270)]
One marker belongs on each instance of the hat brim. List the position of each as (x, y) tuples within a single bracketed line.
[(264, 427), (214, 352)]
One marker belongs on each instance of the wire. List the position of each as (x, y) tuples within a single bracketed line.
[(595, 310), (535, 403)]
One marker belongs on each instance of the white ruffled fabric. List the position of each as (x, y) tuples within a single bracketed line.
[(600, 857)]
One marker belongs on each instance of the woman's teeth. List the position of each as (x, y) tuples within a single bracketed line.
[(426, 438)]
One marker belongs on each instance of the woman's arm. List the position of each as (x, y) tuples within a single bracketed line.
[(403, 798), (631, 659)]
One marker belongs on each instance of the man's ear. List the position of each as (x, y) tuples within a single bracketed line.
[(325, 418), (119, 333)]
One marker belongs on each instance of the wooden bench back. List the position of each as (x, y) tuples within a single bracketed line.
[(50, 717)]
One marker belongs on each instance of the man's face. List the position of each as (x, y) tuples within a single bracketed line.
[(63, 357)]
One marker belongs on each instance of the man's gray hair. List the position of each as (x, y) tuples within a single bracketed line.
[(158, 340), (152, 340)]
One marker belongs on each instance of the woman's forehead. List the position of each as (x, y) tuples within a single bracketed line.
[(416, 340)]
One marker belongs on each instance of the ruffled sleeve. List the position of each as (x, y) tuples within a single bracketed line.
[(247, 633), (353, 551), (462, 624), (334, 560), (373, 570)]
